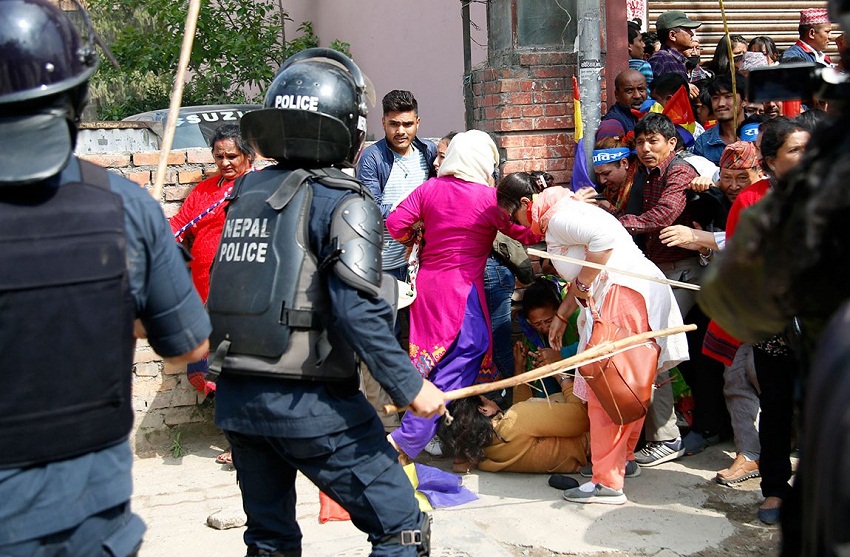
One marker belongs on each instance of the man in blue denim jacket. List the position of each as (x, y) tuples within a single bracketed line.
[(394, 166)]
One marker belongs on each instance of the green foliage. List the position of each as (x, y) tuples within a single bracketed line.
[(177, 450), (237, 49)]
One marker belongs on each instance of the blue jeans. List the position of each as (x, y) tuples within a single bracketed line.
[(499, 283), (357, 468), (399, 273)]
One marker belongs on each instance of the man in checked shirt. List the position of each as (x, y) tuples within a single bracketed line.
[(659, 189)]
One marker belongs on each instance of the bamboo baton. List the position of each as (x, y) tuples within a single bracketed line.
[(176, 96), (596, 353), (583, 263)]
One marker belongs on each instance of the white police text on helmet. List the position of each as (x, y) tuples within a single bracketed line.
[(234, 246), (297, 102)]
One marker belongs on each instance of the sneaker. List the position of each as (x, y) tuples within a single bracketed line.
[(632, 470), (696, 442), (433, 447), (740, 470), (659, 452), (598, 494)]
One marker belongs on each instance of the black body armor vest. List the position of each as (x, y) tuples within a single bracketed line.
[(66, 320), (268, 301)]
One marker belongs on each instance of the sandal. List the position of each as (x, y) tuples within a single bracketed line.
[(224, 458)]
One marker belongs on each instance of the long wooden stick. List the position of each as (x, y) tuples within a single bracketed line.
[(598, 352), (583, 263), (176, 96)]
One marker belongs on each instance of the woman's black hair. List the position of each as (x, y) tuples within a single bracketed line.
[(773, 133), (541, 293), (513, 187), (469, 432), (231, 131), (770, 47), (720, 63), (811, 119)]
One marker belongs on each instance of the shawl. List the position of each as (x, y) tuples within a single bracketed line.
[(471, 156), (545, 205)]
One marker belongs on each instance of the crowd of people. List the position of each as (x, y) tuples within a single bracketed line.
[(667, 196), (292, 331)]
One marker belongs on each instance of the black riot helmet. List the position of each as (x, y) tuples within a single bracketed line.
[(314, 111), (44, 70)]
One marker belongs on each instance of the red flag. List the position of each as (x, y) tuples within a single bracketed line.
[(679, 110)]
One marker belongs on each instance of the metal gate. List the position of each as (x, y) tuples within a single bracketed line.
[(750, 18)]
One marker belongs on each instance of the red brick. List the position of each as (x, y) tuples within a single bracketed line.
[(521, 153), (491, 87), (109, 160), (151, 158), (559, 109), (511, 125), (543, 139), (141, 178), (199, 156), (512, 112), (550, 71), (557, 152), (476, 89), (492, 113), (490, 100), (190, 176), (512, 141), (552, 97), (510, 166), (178, 193), (544, 85), (516, 98), (511, 85), (551, 123), (532, 111), (543, 59), (170, 176), (489, 125)]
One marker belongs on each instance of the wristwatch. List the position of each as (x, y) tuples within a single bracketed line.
[(581, 286)]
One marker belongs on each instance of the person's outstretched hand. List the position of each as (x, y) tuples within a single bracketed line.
[(429, 402)]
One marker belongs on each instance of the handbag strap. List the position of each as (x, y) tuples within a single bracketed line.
[(594, 311)]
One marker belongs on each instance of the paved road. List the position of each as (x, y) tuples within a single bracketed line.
[(673, 509)]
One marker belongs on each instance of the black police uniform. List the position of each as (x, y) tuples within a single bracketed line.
[(85, 254), (327, 430)]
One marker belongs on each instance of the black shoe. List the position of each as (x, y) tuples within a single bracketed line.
[(562, 482)]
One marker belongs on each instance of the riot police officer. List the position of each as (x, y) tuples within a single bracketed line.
[(295, 300), (85, 255)]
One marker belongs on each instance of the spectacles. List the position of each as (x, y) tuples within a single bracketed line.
[(738, 58)]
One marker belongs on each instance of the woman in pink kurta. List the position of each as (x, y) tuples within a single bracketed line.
[(450, 339)]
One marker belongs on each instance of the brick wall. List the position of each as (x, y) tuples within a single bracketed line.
[(163, 400), (527, 104)]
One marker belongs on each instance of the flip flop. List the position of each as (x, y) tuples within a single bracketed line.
[(224, 458)]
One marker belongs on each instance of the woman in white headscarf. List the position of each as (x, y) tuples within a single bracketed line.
[(454, 217)]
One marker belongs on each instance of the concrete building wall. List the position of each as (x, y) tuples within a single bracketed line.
[(402, 44)]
